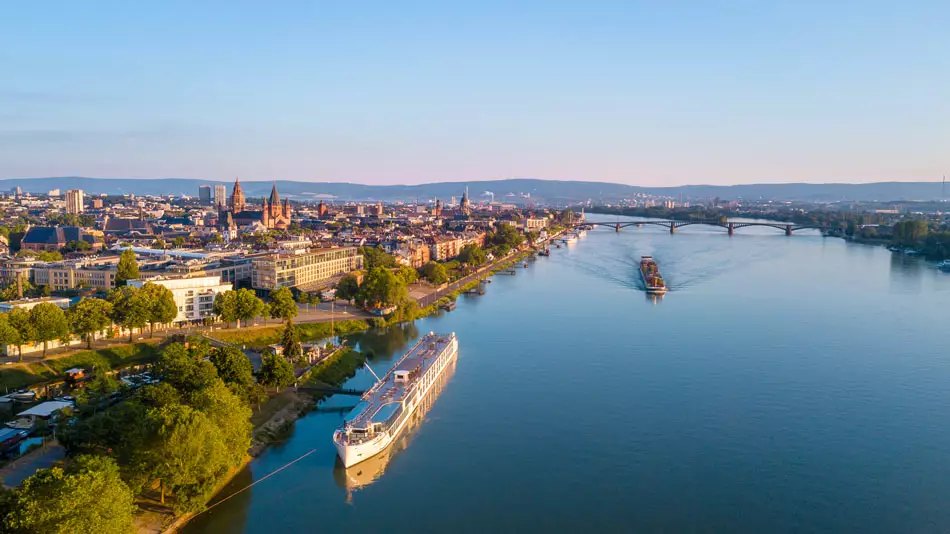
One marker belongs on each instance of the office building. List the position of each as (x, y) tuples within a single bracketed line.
[(74, 201), (305, 270), (220, 196), (204, 194)]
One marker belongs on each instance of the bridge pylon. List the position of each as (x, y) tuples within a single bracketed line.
[(788, 229), (618, 227), (672, 227), (732, 228)]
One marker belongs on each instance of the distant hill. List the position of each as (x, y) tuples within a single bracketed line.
[(513, 190)]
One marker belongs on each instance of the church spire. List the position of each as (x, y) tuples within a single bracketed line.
[(274, 197)]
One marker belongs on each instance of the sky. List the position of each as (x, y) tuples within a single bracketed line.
[(654, 93)]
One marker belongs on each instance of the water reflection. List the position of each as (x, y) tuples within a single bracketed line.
[(365, 473), (907, 272), (393, 340), (654, 298)]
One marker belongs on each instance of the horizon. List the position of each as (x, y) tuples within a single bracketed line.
[(622, 92)]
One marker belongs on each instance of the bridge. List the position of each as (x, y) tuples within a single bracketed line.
[(730, 226)]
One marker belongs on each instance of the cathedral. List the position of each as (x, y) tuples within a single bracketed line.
[(273, 214)]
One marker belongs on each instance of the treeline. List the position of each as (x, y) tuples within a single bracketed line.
[(932, 241), (176, 438)]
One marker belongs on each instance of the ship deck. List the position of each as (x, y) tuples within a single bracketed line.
[(387, 391)]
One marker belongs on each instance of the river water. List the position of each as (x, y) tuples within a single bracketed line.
[(785, 384)]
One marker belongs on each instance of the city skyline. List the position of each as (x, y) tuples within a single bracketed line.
[(622, 92)]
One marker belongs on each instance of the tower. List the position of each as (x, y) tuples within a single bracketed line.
[(274, 202), (465, 204), (237, 198)]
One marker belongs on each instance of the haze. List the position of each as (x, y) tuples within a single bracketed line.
[(643, 93)]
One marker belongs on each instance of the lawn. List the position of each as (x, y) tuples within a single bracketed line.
[(22, 375), (258, 338)]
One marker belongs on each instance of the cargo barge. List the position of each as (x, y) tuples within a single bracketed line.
[(652, 279)]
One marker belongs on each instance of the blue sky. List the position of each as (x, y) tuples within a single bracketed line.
[(645, 93)]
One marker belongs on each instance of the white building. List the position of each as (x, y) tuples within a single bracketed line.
[(29, 304), (194, 296), (74, 201), (220, 196)]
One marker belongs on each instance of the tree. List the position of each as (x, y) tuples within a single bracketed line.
[(225, 307), (88, 496), (188, 454), (178, 242), (247, 305), (233, 366), (347, 287), (275, 371), (282, 305), (128, 268), (89, 316), (73, 246), (129, 308), (435, 273), (9, 336), (49, 323), (472, 255), (49, 256), (186, 373), (382, 288), (19, 319), (162, 308), (290, 341), (374, 257), (407, 274)]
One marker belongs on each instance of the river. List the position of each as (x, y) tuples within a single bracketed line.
[(784, 384)]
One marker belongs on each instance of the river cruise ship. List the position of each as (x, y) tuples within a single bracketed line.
[(650, 272), (383, 411)]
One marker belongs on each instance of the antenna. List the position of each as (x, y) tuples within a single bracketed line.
[(943, 188)]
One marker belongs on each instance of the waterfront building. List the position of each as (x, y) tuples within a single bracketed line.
[(533, 223), (194, 296), (204, 195), (304, 269), (94, 273), (74, 201)]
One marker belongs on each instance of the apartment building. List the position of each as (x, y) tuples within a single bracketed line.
[(304, 269), (194, 296)]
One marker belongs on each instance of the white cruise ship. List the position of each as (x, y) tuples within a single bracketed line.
[(383, 411)]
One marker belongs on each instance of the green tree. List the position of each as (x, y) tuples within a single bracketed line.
[(178, 242), (347, 287), (472, 255), (233, 366), (225, 307), (407, 274), (382, 288), (290, 341), (19, 319), (128, 268), (162, 308), (435, 273), (9, 336), (73, 246), (187, 455), (282, 305), (910, 233), (247, 305), (49, 322), (87, 496), (183, 370), (275, 371), (89, 316), (129, 308), (374, 257), (49, 256)]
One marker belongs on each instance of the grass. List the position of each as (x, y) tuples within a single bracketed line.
[(260, 337), (23, 375)]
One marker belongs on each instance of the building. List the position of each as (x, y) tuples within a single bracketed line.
[(204, 195), (50, 238), (95, 273), (194, 296), (29, 304), (220, 196), (533, 223), (74, 201), (273, 214), (97, 203), (304, 269), (444, 247)]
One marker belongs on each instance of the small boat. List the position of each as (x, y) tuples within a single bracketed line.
[(558, 245), (525, 265), (449, 306), (650, 273), (570, 240), (24, 396)]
